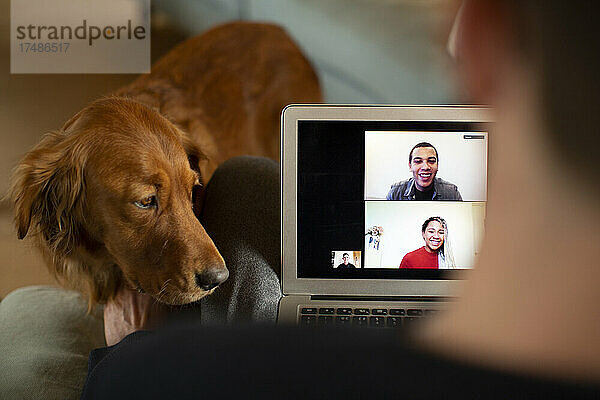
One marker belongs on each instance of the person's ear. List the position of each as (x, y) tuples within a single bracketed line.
[(479, 43)]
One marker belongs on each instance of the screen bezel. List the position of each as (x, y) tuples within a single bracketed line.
[(291, 284)]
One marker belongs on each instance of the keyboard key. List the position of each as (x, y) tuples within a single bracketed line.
[(360, 321), (326, 310), (430, 312), (414, 313), (394, 322), (324, 320), (342, 320), (397, 311), (410, 320), (379, 311), (377, 322), (361, 311), (309, 310), (308, 320), (344, 311)]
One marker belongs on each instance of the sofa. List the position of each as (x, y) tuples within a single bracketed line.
[(46, 335)]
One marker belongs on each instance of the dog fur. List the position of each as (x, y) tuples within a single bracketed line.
[(113, 196)]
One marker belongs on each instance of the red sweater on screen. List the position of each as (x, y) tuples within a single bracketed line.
[(420, 258)]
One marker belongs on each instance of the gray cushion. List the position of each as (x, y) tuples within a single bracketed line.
[(45, 339)]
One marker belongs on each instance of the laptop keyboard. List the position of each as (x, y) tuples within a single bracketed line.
[(361, 317)]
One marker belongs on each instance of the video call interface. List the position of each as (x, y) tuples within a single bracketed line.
[(390, 199)]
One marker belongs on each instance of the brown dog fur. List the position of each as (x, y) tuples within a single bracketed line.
[(113, 196)]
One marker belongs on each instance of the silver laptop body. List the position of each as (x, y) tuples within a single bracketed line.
[(320, 145)]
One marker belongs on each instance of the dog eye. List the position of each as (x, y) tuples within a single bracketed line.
[(146, 202)]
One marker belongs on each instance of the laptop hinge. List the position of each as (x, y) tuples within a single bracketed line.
[(379, 298)]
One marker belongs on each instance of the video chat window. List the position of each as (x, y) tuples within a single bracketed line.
[(455, 233), (425, 198), (358, 193), (459, 170)]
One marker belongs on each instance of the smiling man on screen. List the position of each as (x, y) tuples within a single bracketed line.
[(423, 163)]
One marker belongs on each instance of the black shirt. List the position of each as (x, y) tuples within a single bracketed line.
[(427, 194), (193, 361)]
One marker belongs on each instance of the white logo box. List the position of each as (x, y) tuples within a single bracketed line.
[(80, 36)]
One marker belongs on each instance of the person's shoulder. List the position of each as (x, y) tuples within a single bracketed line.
[(397, 189), (400, 184), (408, 259), (409, 256), (449, 185), (417, 251), (447, 190)]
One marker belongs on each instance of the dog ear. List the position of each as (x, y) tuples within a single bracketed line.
[(196, 158), (47, 192), (195, 155)]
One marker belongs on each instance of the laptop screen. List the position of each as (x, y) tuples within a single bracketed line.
[(389, 200)]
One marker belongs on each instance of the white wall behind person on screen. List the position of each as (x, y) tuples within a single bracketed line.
[(462, 162), (402, 223)]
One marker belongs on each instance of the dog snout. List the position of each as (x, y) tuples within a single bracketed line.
[(211, 278)]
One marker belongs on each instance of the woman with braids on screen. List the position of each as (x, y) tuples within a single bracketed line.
[(437, 252)]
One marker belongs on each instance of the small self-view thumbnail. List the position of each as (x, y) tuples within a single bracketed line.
[(346, 259)]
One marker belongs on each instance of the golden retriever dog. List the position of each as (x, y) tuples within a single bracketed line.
[(113, 196)]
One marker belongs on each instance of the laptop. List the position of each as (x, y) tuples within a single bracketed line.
[(383, 210)]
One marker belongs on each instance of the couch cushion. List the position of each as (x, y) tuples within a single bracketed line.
[(45, 337)]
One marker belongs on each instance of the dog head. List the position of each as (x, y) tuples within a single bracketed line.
[(113, 198)]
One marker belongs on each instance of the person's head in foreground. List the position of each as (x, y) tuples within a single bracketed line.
[(435, 235), (423, 163), (537, 63)]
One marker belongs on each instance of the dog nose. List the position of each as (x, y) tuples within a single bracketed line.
[(212, 278)]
